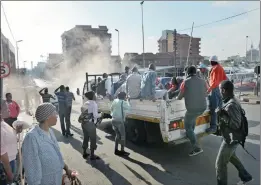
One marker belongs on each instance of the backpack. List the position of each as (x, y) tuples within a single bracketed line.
[(101, 90), (244, 127)]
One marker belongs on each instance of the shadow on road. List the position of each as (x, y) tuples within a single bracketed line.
[(113, 176), (177, 163), (253, 123), (79, 131)]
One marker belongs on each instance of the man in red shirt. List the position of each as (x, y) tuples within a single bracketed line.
[(14, 109), (216, 76)]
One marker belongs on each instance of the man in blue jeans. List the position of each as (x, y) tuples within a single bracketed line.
[(62, 101), (194, 91)]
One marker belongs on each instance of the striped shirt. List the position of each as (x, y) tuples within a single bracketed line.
[(46, 97), (70, 98)]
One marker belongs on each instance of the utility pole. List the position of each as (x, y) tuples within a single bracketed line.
[(118, 41), (190, 40), (17, 57), (2, 60), (142, 25), (175, 49), (246, 47)]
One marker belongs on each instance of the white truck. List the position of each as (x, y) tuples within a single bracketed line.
[(148, 121)]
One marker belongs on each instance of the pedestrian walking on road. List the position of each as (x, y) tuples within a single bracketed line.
[(118, 110), (232, 126), (216, 76), (46, 96), (42, 158), (62, 101), (70, 98), (14, 109), (89, 118), (194, 90)]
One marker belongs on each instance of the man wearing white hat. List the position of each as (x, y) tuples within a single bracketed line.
[(216, 76)]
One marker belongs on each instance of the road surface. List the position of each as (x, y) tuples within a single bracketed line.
[(155, 165)]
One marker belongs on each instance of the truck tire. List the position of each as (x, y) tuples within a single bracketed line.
[(136, 131)]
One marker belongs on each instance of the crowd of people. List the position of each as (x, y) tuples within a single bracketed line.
[(43, 162)]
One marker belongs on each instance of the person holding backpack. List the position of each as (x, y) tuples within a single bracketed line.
[(89, 118), (118, 109), (233, 127)]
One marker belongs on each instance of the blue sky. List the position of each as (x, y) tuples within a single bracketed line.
[(40, 24)]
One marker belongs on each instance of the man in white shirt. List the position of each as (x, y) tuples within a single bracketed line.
[(133, 84), (107, 83)]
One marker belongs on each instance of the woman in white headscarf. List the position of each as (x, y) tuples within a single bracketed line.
[(43, 161)]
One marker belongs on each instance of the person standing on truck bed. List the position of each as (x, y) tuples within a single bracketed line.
[(46, 96), (127, 72), (233, 128), (216, 76), (203, 71), (118, 84), (133, 84), (104, 86), (148, 83), (62, 101), (194, 90)]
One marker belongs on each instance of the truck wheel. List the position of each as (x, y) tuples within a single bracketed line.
[(136, 131)]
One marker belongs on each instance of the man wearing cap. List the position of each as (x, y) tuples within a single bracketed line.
[(203, 71), (216, 76)]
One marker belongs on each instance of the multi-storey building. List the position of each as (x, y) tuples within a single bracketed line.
[(165, 44), (83, 41), (8, 53)]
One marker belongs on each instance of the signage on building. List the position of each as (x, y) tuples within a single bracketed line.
[(5, 70)]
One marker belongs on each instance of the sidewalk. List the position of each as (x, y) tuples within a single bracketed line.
[(249, 97)]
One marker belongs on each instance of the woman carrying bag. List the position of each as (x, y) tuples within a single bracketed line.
[(42, 160)]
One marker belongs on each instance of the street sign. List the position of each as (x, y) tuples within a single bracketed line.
[(5, 70)]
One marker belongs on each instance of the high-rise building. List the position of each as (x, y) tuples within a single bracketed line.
[(8, 53), (165, 44), (83, 41)]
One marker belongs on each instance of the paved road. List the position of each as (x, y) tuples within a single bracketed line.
[(154, 165)]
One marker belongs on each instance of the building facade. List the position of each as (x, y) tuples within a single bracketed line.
[(83, 41), (54, 60), (165, 44), (159, 59), (8, 53)]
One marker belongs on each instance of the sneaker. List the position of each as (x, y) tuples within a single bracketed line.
[(69, 134), (95, 157), (195, 152), (117, 152), (245, 181), (211, 130), (125, 154)]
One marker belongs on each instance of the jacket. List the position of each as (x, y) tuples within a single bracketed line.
[(148, 84), (216, 76)]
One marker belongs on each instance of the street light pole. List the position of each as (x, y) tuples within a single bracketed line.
[(141, 3), (118, 41), (17, 56), (246, 47)]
